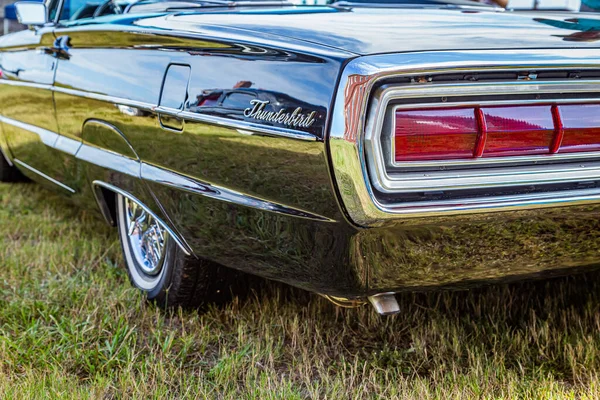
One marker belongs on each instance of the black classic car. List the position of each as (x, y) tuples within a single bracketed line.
[(355, 150)]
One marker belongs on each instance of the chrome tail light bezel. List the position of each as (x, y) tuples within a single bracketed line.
[(361, 165), (504, 172)]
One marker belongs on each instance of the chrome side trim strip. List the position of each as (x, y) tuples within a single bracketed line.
[(122, 192), (229, 123), (109, 160), (47, 137), (105, 98), (190, 116), (352, 120), (52, 180), (25, 84), (172, 179)]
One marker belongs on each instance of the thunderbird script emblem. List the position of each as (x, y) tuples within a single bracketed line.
[(296, 118)]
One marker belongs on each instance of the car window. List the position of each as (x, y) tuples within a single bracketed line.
[(78, 9)]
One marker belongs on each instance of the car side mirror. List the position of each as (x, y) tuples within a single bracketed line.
[(31, 13)]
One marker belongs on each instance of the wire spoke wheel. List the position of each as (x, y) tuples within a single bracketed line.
[(158, 266), (147, 238)]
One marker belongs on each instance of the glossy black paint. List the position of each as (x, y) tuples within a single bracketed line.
[(259, 202), (26, 64), (387, 30)]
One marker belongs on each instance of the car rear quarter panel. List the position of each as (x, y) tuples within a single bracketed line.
[(256, 201)]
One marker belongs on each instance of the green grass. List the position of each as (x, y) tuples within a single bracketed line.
[(72, 327)]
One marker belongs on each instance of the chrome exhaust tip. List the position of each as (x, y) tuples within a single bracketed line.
[(385, 303)]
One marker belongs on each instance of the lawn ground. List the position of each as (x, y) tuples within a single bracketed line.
[(72, 327)]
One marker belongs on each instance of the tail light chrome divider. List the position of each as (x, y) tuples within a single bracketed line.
[(361, 165)]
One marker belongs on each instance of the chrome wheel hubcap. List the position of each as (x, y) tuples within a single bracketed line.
[(146, 237)]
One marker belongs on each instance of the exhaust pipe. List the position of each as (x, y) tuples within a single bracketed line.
[(385, 303)]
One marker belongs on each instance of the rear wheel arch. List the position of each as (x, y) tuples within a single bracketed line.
[(106, 197), (158, 264), (183, 278)]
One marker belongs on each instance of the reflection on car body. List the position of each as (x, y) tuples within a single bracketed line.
[(245, 103)]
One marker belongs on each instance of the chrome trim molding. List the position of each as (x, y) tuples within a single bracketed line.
[(123, 193), (524, 87), (412, 180), (52, 180), (25, 84), (47, 137), (186, 115), (105, 98), (103, 205), (234, 124), (496, 203), (357, 118), (190, 116), (175, 180), (492, 178)]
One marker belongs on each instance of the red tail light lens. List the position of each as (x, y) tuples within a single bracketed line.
[(514, 131), (463, 133), (581, 124), (435, 134)]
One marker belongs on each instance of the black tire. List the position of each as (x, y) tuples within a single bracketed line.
[(183, 281), (9, 173)]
